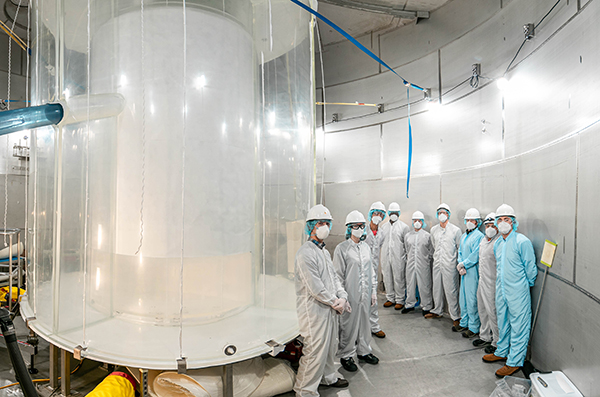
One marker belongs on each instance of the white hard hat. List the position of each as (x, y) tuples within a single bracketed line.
[(489, 218), (443, 206), (355, 217), (318, 212), (394, 207), (418, 215), (505, 210), (472, 213), (378, 205)]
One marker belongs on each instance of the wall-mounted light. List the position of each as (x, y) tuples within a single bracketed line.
[(502, 83)]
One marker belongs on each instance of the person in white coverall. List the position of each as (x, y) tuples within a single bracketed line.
[(486, 292), (375, 237), (468, 268), (419, 250), (320, 297), (445, 238), (352, 262), (393, 258)]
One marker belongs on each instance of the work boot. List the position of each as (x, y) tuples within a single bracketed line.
[(349, 364), (492, 358), (379, 334), (469, 334), (399, 306), (506, 371), (458, 328), (481, 343), (407, 310), (388, 304), (339, 383), (490, 349), (456, 323), (425, 312), (432, 315), (369, 359)]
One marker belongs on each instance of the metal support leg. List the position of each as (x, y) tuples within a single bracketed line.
[(65, 373), (228, 380), (54, 369), (10, 274)]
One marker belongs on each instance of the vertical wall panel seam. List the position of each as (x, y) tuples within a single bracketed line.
[(577, 155)]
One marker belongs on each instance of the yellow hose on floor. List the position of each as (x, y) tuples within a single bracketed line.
[(117, 384)]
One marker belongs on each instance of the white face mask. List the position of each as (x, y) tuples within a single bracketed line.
[(417, 224), (393, 217), (443, 217), (504, 227), (357, 232), (376, 220), (490, 232), (471, 225), (322, 232)]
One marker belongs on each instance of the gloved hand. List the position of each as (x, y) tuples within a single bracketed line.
[(373, 299), (339, 304), (347, 307)]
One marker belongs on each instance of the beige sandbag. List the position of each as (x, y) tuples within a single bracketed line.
[(279, 378), (172, 384)]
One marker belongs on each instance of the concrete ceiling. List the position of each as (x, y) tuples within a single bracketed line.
[(357, 18)]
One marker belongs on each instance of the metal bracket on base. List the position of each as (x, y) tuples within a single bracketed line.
[(143, 382), (182, 365), (77, 352)]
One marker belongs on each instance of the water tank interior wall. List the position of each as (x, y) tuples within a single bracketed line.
[(533, 145)]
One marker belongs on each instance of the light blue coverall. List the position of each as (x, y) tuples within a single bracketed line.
[(468, 255), (516, 274)]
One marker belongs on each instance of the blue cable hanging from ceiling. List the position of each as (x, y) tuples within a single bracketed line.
[(375, 57), (409, 143)]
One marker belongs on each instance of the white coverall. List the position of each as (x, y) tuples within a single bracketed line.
[(486, 293), (393, 261), (375, 242), (445, 275), (352, 262), (418, 268), (317, 289)]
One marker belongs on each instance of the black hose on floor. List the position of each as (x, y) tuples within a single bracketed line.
[(10, 336)]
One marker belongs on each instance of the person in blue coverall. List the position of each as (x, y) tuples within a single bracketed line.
[(515, 275), (468, 268)]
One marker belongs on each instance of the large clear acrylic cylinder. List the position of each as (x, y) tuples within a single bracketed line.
[(165, 228)]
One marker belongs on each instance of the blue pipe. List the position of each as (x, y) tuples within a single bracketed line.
[(31, 117)]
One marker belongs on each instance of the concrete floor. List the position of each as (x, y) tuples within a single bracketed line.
[(418, 357)]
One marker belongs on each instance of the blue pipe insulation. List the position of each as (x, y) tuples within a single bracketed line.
[(31, 117)]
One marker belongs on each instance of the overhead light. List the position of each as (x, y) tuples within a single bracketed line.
[(502, 83)]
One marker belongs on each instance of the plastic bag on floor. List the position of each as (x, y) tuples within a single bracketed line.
[(511, 386)]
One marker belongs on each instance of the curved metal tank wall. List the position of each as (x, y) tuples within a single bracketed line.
[(168, 231), (533, 146)]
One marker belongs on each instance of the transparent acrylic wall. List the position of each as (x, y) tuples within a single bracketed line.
[(168, 230)]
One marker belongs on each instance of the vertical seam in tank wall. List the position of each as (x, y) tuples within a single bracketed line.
[(440, 76), (381, 150), (378, 48), (577, 154)]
